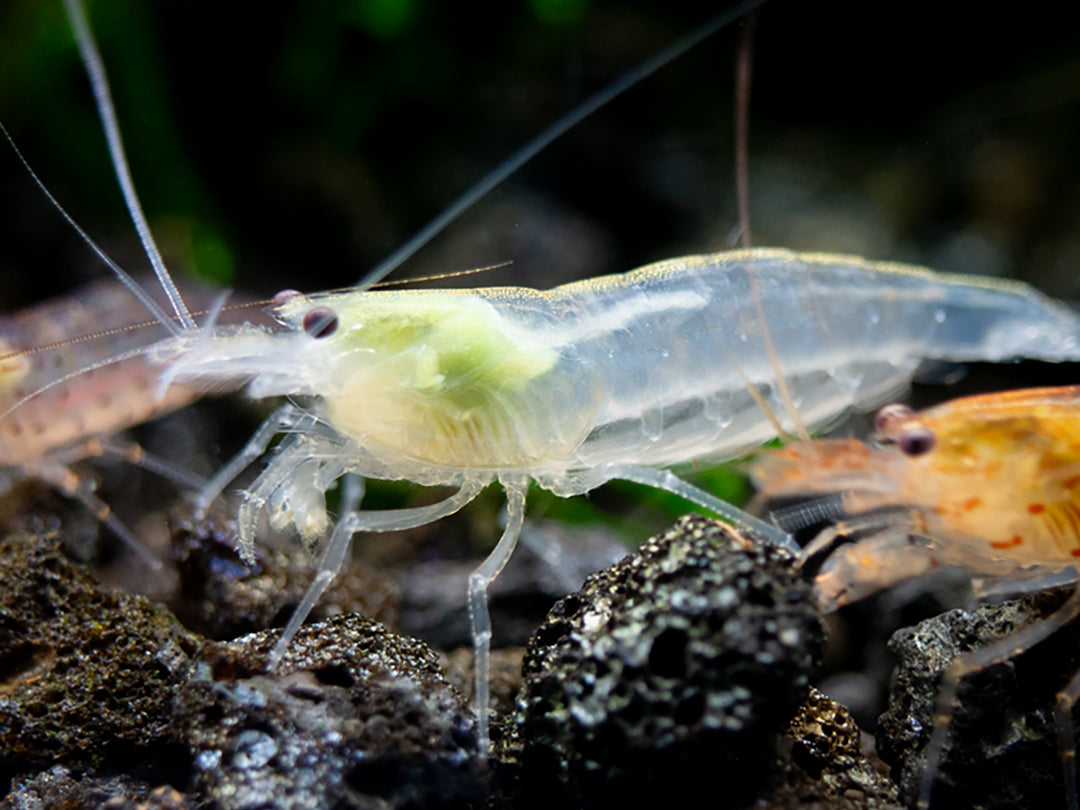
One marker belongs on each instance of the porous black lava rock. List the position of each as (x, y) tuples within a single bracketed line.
[(824, 764), (60, 789), (670, 675), (353, 717), (86, 674), (1001, 749), (222, 597)]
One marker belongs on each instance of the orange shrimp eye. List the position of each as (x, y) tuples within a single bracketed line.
[(889, 416), (320, 322), (916, 441)]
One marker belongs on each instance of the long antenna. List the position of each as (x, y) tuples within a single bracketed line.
[(571, 119), (131, 284), (744, 74), (744, 69), (99, 82)]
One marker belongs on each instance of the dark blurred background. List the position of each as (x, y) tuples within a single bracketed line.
[(297, 144)]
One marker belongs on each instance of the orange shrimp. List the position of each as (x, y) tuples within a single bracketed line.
[(991, 483), (987, 483)]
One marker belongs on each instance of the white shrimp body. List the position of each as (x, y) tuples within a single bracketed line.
[(649, 368)]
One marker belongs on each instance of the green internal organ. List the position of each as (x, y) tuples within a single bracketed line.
[(453, 346), (443, 377)]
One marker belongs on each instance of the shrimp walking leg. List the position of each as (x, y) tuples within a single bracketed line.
[(284, 418), (988, 656), (857, 571), (338, 546), (669, 482), (479, 616), (133, 453), (292, 490)]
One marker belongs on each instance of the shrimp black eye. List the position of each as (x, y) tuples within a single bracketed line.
[(916, 441), (320, 322), (890, 415)]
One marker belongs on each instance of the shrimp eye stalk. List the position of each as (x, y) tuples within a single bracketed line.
[(888, 418)]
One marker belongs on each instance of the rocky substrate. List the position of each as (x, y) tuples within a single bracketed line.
[(681, 671)]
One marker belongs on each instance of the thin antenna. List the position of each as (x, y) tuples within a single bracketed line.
[(402, 282), (526, 153), (744, 73), (744, 70), (116, 358), (131, 284), (99, 82)]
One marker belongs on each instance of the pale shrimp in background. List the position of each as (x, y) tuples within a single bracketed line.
[(80, 418), (296, 506), (988, 483)]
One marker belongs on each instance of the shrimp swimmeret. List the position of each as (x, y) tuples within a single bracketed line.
[(988, 483)]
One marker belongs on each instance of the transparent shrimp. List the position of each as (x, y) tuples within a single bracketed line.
[(582, 384), (80, 417), (988, 483), (618, 377)]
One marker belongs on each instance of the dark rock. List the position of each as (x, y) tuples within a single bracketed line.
[(86, 675), (670, 673), (1001, 748), (222, 597), (826, 766), (354, 717), (59, 789)]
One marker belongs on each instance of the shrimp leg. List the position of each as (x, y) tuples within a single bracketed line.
[(284, 418), (1063, 707), (134, 454), (386, 520), (669, 482), (479, 616), (80, 488)]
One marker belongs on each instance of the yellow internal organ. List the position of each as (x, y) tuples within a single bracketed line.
[(450, 382)]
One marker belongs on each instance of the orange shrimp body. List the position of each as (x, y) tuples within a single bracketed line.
[(988, 483)]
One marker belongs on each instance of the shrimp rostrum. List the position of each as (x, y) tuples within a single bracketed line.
[(615, 377), (988, 483)]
